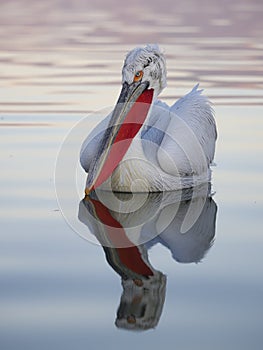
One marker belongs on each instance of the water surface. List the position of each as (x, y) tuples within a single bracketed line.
[(61, 60)]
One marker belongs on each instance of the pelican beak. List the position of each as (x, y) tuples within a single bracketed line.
[(126, 120)]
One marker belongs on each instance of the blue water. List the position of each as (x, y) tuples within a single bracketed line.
[(57, 289)]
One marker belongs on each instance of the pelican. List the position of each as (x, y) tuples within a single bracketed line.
[(144, 145)]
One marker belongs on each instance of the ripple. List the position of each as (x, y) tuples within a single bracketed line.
[(86, 50)]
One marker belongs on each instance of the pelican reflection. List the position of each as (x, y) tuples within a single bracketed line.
[(128, 225)]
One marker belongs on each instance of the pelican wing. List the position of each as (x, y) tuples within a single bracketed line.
[(89, 146), (195, 109), (190, 135)]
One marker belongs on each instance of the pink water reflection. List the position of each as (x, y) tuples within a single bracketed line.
[(57, 52)]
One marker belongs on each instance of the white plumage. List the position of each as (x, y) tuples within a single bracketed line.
[(175, 146)]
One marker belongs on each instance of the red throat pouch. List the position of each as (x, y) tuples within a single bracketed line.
[(128, 130)]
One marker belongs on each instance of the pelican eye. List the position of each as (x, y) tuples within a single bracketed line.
[(138, 76)]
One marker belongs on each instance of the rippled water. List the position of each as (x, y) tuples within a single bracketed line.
[(61, 60)]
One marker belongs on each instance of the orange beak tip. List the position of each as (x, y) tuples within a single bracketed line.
[(87, 191)]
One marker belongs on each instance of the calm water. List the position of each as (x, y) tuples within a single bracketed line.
[(60, 60)]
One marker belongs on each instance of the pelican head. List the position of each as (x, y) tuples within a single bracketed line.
[(145, 65), (143, 78)]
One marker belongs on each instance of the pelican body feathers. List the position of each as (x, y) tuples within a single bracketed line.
[(173, 146)]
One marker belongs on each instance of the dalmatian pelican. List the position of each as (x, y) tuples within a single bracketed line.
[(144, 145)]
